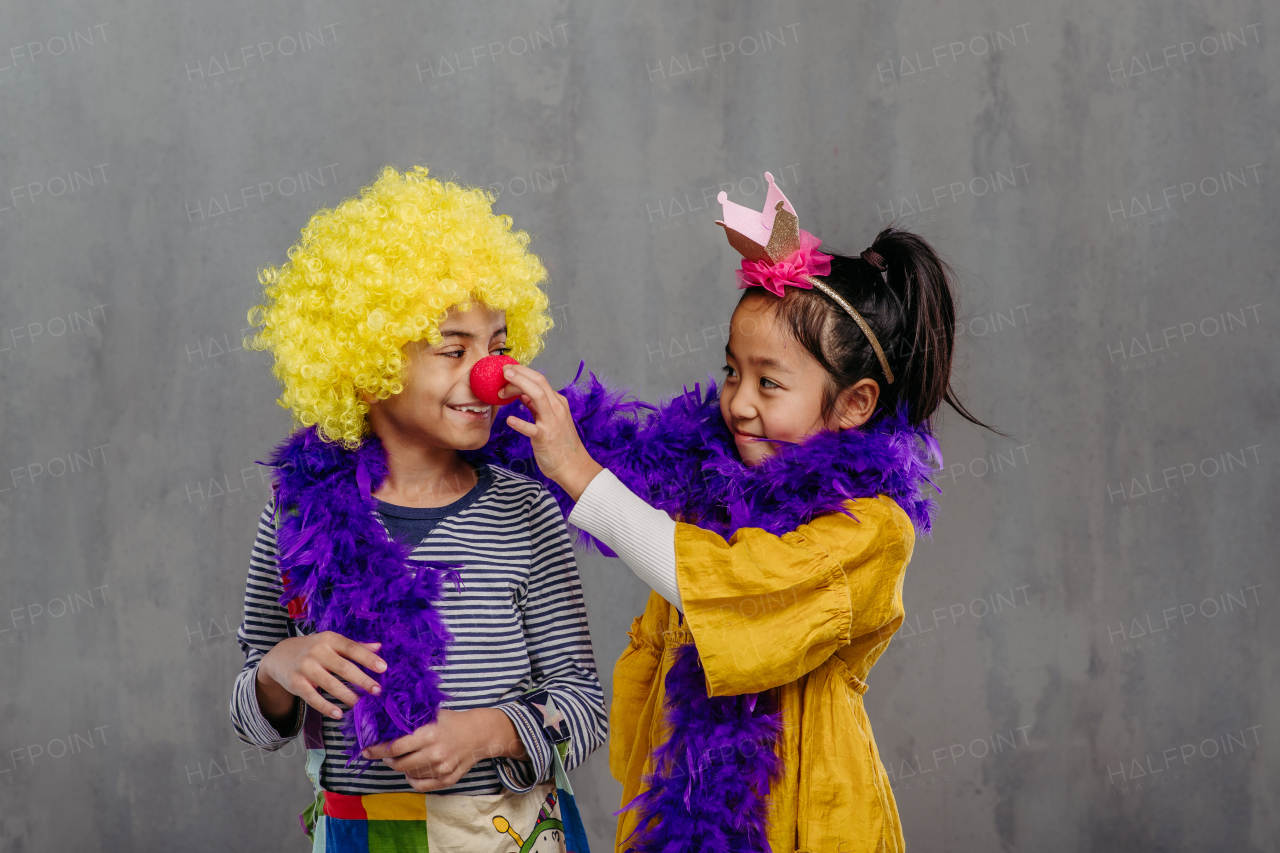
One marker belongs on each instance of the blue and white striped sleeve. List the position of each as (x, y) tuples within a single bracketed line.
[(560, 656), (266, 623)]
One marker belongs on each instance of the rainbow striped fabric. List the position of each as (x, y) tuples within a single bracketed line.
[(397, 823), (542, 820), (375, 823)]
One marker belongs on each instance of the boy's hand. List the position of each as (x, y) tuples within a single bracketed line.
[(557, 448), (301, 666), (437, 755)]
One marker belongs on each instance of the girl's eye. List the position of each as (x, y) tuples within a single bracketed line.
[(729, 372), (454, 353), (501, 351), (766, 382)]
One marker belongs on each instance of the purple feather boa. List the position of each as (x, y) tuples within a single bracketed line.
[(710, 787), (351, 578), (709, 791), (680, 457)]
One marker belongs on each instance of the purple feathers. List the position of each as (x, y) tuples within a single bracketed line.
[(680, 457), (351, 578), (709, 792)]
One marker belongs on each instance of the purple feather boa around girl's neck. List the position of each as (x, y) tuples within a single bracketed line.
[(350, 577), (680, 458), (709, 792)]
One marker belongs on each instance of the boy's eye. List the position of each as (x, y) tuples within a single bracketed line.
[(503, 350), (729, 372), (766, 382), (457, 353)]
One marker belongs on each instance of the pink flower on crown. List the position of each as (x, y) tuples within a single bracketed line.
[(773, 277)]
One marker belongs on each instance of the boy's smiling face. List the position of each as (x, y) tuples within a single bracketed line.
[(437, 407)]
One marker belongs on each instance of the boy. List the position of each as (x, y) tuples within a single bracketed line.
[(466, 670)]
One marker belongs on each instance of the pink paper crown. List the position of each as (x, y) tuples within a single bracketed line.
[(775, 251)]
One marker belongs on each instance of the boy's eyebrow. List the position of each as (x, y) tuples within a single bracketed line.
[(459, 333)]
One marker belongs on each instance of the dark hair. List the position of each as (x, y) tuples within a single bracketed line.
[(912, 315)]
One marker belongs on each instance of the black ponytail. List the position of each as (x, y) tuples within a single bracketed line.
[(909, 307)]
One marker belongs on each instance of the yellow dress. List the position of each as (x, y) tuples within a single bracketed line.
[(804, 615)]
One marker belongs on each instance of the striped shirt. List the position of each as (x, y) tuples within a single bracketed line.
[(518, 622)]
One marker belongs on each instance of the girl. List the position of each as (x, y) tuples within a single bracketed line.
[(774, 524)]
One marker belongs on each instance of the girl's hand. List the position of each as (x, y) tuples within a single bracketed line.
[(438, 754), (556, 445), (301, 666)]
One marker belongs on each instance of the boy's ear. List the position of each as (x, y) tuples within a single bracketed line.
[(856, 404)]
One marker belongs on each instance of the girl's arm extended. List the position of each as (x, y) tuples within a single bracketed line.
[(643, 537), (764, 609), (658, 452), (599, 501)]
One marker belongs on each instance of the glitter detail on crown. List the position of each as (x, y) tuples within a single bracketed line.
[(772, 234)]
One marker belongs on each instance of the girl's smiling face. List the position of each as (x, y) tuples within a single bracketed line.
[(774, 389)]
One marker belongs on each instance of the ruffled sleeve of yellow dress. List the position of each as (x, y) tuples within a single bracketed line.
[(765, 610)]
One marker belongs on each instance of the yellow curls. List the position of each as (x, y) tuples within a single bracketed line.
[(377, 272)]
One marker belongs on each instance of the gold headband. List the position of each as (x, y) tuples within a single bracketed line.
[(857, 318), (767, 238)]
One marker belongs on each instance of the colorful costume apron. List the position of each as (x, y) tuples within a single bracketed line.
[(543, 820)]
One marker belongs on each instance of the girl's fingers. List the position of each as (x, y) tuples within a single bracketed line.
[(521, 426), (538, 388), (517, 377), (548, 405), (526, 397), (531, 383)]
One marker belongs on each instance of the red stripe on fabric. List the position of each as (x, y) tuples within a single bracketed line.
[(344, 806)]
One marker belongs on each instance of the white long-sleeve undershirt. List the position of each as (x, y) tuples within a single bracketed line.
[(643, 537)]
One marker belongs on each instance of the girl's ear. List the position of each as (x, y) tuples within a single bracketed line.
[(855, 404)]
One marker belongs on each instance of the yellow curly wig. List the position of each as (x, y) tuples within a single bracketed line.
[(377, 272)]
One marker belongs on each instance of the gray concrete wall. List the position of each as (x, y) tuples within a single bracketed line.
[(1089, 661)]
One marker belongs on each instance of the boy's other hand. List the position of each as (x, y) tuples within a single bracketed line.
[(302, 666), (438, 754), (557, 447)]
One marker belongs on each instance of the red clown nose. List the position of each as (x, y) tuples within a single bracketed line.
[(487, 380)]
